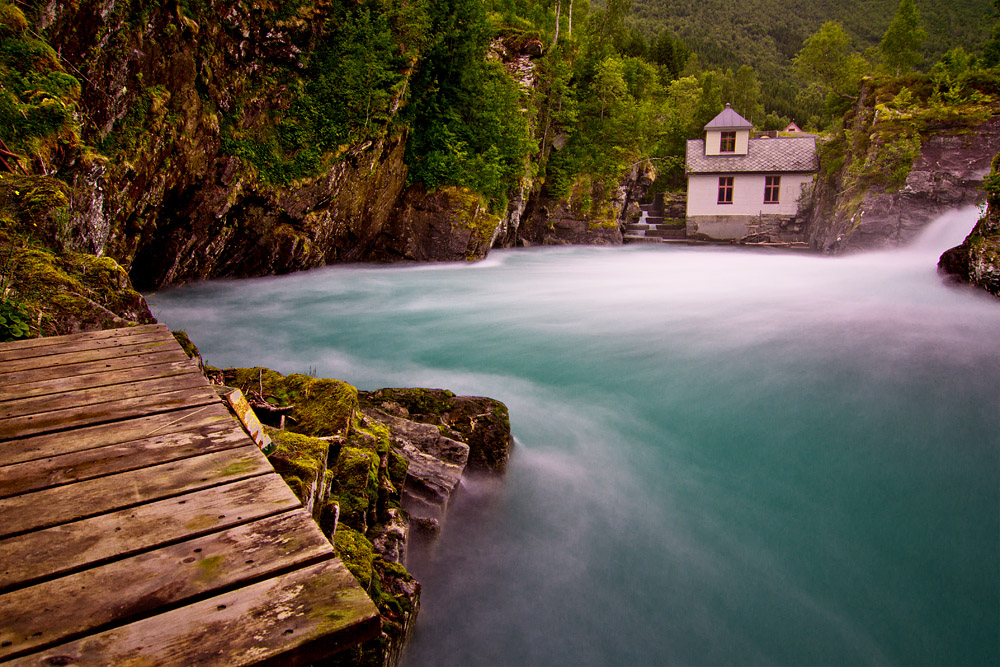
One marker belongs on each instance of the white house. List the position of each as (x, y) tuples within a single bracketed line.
[(740, 186)]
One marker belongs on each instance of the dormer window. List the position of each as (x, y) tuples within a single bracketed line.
[(727, 134), (727, 142)]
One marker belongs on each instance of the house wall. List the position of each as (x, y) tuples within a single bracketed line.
[(748, 195), (713, 142)]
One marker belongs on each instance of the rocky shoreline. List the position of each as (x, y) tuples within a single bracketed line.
[(378, 471)]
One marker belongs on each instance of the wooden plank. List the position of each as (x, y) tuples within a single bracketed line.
[(164, 355), (58, 420), (121, 332), (62, 609), (189, 379), (293, 619), (82, 344), (103, 352), (10, 391), (42, 554), (201, 419), (41, 509), (54, 471)]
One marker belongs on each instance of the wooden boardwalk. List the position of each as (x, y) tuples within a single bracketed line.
[(139, 524)]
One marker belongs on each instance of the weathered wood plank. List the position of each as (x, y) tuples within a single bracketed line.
[(42, 554), (295, 619), (58, 420), (34, 343), (62, 609), (201, 419), (11, 391), (49, 507), (55, 471), (116, 338), (190, 378), (164, 355), (102, 352)]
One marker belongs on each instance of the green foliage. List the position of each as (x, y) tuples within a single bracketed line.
[(832, 70), (354, 80), (901, 46), (467, 127), (766, 34), (13, 321), (894, 159), (38, 100)]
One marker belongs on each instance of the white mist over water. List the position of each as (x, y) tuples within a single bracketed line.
[(724, 456)]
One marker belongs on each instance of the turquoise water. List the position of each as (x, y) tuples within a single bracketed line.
[(724, 457)]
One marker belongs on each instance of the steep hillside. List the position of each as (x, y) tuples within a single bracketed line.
[(767, 34)]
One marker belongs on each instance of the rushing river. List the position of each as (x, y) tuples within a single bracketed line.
[(723, 456)]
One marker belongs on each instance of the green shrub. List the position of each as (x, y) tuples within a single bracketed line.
[(13, 321)]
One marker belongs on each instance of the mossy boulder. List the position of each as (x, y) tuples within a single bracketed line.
[(354, 486), (320, 407), (57, 290), (482, 423), (302, 462)]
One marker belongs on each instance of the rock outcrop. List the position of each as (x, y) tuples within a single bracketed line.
[(374, 467), (895, 168), (977, 260), (576, 220)]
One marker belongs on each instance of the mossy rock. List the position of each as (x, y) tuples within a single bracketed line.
[(322, 407), (301, 462), (355, 485), (70, 292), (482, 423), (357, 554), (425, 405)]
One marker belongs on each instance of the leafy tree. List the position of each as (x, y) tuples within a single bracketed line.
[(830, 67), (901, 46), (609, 83), (743, 91), (466, 123)]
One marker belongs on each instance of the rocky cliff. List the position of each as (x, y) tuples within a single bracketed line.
[(901, 159), (212, 138)]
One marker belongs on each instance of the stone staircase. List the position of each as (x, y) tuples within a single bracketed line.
[(653, 228)]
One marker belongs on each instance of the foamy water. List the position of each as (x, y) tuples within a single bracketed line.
[(724, 456)]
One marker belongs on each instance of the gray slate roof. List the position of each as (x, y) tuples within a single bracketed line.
[(783, 154), (729, 120)]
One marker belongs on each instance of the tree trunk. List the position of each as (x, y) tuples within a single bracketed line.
[(558, 9)]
